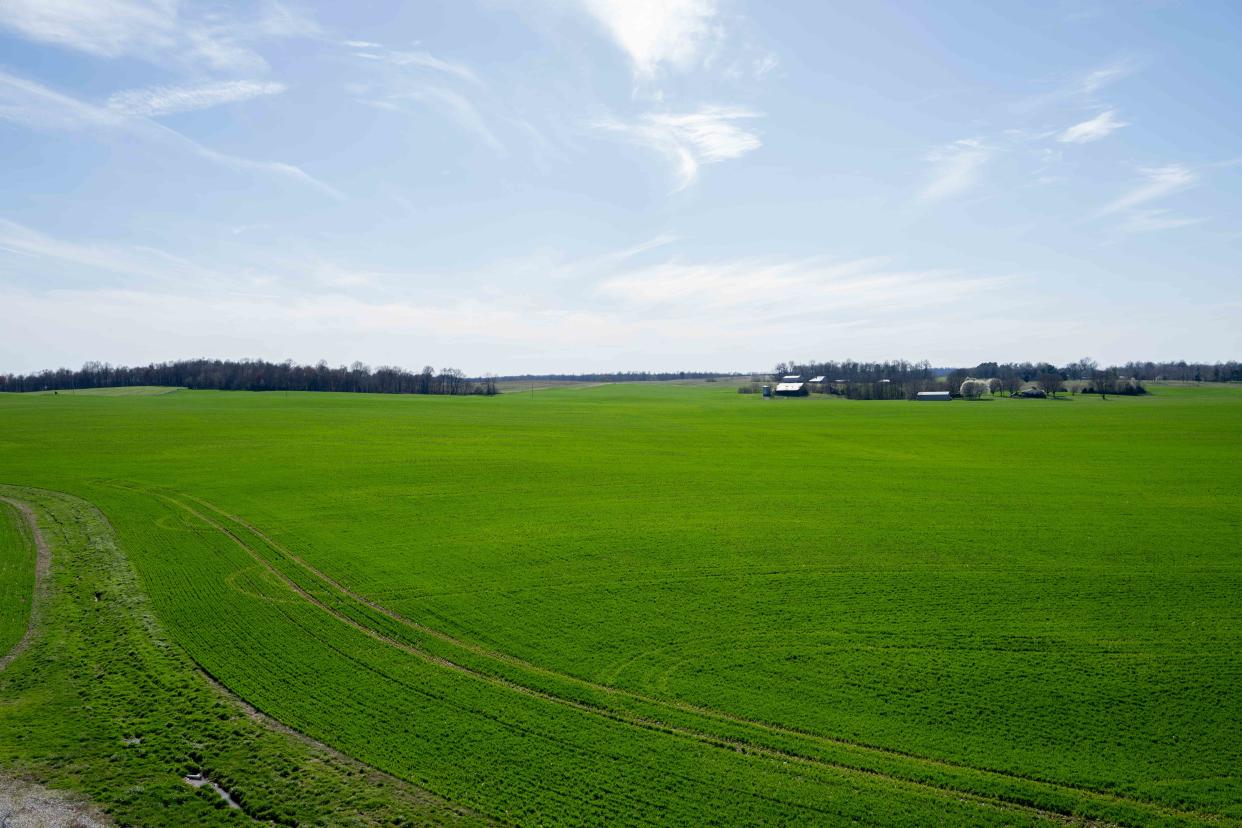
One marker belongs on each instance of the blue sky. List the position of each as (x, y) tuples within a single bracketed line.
[(518, 186)]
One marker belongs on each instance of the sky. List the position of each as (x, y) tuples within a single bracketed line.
[(531, 186)]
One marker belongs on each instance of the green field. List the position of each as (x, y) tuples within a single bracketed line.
[(123, 391), (17, 578), (636, 604)]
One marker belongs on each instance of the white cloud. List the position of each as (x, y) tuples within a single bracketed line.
[(955, 168), (706, 136), (1159, 182), (160, 100), (33, 105), (153, 30), (1093, 130), (657, 33)]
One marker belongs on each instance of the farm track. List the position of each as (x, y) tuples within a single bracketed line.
[(986, 787), (37, 805), (43, 565)]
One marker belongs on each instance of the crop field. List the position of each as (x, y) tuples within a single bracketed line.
[(17, 576), (123, 391), (628, 604)]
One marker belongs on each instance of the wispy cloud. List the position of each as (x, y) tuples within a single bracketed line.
[(458, 108), (956, 168), (154, 30), (35, 106), (1158, 182), (1102, 76), (1092, 130), (127, 261), (449, 87), (689, 140), (658, 33), (420, 59), (1077, 89), (766, 292), (612, 302), (161, 100)]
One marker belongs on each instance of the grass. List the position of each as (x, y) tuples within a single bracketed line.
[(102, 704), (673, 603), (17, 578)]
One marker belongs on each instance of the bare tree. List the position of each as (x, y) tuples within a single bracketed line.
[(1049, 382)]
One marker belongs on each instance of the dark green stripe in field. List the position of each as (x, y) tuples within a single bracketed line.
[(905, 613)]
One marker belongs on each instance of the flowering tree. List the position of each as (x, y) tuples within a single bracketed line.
[(973, 389)]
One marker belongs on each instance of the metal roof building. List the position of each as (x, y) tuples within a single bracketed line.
[(791, 389), (934, 395)]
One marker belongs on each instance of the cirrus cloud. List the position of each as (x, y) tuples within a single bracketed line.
[(708, 135)]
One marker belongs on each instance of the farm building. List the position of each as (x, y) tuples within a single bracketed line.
[(934, 395), (791, 389), (816, 379), (791, 378)]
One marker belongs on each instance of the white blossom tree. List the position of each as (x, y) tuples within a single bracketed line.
[(973, 389)]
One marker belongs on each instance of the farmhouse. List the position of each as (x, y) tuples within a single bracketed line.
[(791, 389), (934, 395)]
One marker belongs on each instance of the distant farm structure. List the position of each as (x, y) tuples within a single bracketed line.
[(934, 396), (795, 388)]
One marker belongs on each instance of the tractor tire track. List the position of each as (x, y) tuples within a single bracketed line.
[(43, 568), (1001, 801), (685, 707), (733, 745)]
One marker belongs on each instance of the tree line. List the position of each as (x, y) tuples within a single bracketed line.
[(621, 376), (254, 375)]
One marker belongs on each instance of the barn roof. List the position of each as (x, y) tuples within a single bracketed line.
[(791, 378), (816, 379), (789, 386)]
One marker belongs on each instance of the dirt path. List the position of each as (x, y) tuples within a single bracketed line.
[(27, 805), (43, 565)]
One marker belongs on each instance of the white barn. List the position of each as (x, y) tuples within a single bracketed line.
[(944, 396)]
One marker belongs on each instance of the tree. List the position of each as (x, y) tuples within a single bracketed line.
[(973, 389), (1049, 382)]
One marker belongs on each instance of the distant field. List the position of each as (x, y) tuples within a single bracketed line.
[(123, 391), (519, 386), (656, 603)]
